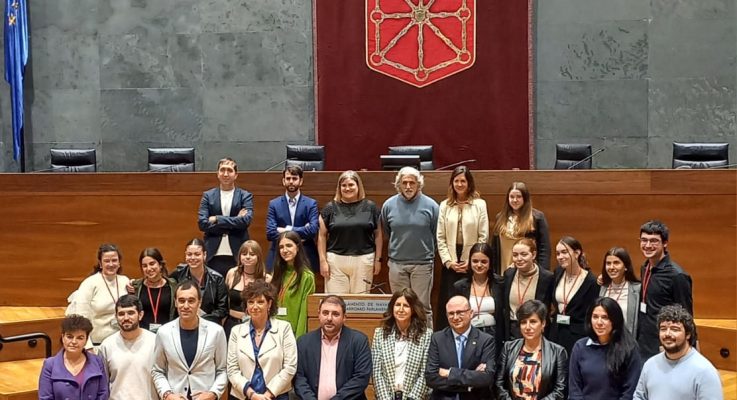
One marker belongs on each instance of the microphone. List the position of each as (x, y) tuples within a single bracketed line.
[(583, 160), (722, 166), (278, 164), (455, 164), (374, 285), (168, 168), (53, 169)]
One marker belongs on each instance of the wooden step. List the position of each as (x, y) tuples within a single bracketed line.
[(19, 379), (22, 320), (718, 342)]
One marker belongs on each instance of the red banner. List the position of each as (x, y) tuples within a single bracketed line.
[(451, 73)]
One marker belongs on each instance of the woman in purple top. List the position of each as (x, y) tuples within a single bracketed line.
[(73, 373)]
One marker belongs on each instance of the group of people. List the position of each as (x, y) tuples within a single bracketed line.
[(520, 320)]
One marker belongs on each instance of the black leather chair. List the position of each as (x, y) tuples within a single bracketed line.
[(424, 151), (567, 155), (307, 157), (171, 159), (700, 155), (73, 160)]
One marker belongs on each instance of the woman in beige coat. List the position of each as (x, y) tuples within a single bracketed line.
[(263, 342), (462, 222)]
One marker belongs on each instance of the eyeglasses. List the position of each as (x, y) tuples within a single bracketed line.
[(453, 314), (650, 241)]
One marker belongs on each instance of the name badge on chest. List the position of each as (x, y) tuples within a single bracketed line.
[(154, 327), (563, 319), (643, 307), (282, 311)]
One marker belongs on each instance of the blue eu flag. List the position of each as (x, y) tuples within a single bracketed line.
[(16, 57)]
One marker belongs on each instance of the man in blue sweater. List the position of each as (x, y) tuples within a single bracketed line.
[(410, 220), (680, 372)]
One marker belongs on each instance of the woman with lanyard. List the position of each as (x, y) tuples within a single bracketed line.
[(575, 292), (484, 290), (95, 299), (462, 222), (524, 281), (158, 297), (250, 268), (620, 283), (294, 281), (262, 353)]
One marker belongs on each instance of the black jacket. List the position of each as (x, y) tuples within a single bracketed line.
[(668, 284), (214, 296), (578, 306), (543, 292), (554, 370)]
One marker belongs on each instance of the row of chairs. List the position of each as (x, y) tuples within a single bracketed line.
[(312, 157), (685, 156)]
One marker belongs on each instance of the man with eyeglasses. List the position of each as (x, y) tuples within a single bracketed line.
[(461, 359), (663, 283)]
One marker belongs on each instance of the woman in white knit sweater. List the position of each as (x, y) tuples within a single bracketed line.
[(97, 294)]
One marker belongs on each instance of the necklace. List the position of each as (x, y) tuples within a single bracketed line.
[(74, 367)]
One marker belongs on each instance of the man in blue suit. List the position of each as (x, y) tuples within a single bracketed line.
[(224, 216), (461, 359), (333, 361), (293, 212)]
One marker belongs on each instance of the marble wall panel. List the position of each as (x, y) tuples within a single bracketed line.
[(143, 60), (702, 9), (149, 16), (69, 16), (280, 58), (602, 109), (63, 60), (220, 16), (258, 114), (692, 107), (162, 115), (576, 11), (64, 115), (607, 50), (692, 48)]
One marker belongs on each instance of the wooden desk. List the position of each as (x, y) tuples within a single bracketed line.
[(53, 223)]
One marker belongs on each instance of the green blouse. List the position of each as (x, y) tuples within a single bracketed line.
[(294, 299)]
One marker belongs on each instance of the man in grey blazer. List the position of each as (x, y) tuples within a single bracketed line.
[(190, 352)]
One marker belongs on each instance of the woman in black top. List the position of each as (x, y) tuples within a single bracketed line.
[(250, 267), (350, 238), (485, 292), (156, 290), (574, 292)]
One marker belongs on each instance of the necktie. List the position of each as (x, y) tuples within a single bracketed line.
[(292, 201), (460, 344)]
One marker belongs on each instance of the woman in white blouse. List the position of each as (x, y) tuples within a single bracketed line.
[(620, 283), (462, 222), (95, 299)]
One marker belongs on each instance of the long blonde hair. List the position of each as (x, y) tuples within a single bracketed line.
[(525, 221)]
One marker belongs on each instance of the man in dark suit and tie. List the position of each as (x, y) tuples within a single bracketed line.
[(333, 362), (461, 358), (293, 212), (224, 216)]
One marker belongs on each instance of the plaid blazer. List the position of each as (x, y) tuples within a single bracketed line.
[(414, 385)]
